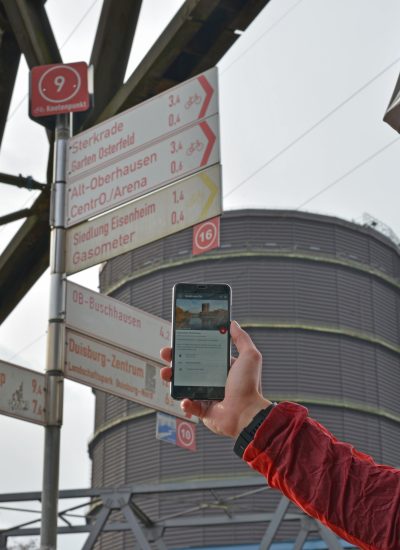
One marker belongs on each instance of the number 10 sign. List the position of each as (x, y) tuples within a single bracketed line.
[(57, 89)]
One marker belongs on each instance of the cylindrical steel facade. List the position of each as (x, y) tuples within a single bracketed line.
[(320, 297)]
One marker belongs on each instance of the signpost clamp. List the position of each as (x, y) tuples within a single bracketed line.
[(54, 398)]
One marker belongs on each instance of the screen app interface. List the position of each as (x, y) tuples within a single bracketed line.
[(201, 339)]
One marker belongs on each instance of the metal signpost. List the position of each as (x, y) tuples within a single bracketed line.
[(56, 89), (22, 393), (55, 344), (152, 217), (136, 157)]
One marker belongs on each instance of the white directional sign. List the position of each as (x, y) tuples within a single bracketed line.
[(141, 171), (22, 393), (152, 217), (112, 321), (167, 112), (118, 372)]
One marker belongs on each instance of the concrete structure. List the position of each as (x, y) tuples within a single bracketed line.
[(321, 298)]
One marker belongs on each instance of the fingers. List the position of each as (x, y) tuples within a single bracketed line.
[(166, 354), (166, 374), (189, 407), (196, 408)]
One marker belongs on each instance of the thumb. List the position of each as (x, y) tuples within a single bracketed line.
[(241, 339)]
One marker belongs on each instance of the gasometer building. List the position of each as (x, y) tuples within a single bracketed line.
[(320, 297)]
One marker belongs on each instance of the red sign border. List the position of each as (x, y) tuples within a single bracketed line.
[(215, 243), (192, 428), (38, 104)]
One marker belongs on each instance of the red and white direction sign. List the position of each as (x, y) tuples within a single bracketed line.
[(118, 372), (60, 88), (168, 112), (145, 220), (206, 236), (22, 393), (112, 321), (194, 148)]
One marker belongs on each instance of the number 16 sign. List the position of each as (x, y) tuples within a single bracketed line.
[(206, 236), (57, 89)]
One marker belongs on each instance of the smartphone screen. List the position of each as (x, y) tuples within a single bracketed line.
[(201, 340)]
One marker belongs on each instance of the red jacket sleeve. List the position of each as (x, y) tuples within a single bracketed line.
[(331, 481)]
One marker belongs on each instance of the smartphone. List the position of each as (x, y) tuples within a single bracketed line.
[(201, 343)]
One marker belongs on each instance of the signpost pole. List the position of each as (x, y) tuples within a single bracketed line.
[(55, 342)]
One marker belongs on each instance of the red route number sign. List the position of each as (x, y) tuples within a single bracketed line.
[(206, 236), (186, 434), (57, 89)]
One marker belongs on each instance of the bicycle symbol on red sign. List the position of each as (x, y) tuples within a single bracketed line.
[(193, 100), (194, 147)]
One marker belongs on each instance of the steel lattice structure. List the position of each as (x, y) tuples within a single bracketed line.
[(148, 532)]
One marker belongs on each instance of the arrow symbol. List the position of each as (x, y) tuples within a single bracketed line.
[(211, 138), (209, 90), (394, 103), (213, 193)]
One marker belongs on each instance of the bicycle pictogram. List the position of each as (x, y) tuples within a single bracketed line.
[(195, 146), (193, 100)]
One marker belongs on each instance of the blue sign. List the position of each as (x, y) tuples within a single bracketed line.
[(166, 428)]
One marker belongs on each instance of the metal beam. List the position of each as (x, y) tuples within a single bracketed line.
[(136, 528), (223, 519), (111, 51), (147, 530), (9, 61), (201, 32), (275, 523), (21, 181), (193, 521), (25, 258), (24, 213), (97, 528), (144, 489), (305, 528), (329, 537), (32, 30), (392, 114), (33, 33)]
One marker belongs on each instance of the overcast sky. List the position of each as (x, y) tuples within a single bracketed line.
[(302, 96)]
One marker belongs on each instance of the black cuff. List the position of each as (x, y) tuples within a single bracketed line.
[(246, 436)]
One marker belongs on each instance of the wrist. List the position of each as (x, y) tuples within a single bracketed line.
[(247, 415), (247, 435)]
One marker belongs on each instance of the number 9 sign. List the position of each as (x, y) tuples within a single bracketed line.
[(56, 89), (206, 236)]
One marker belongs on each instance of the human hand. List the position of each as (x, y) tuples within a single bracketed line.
[(243, 398)]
